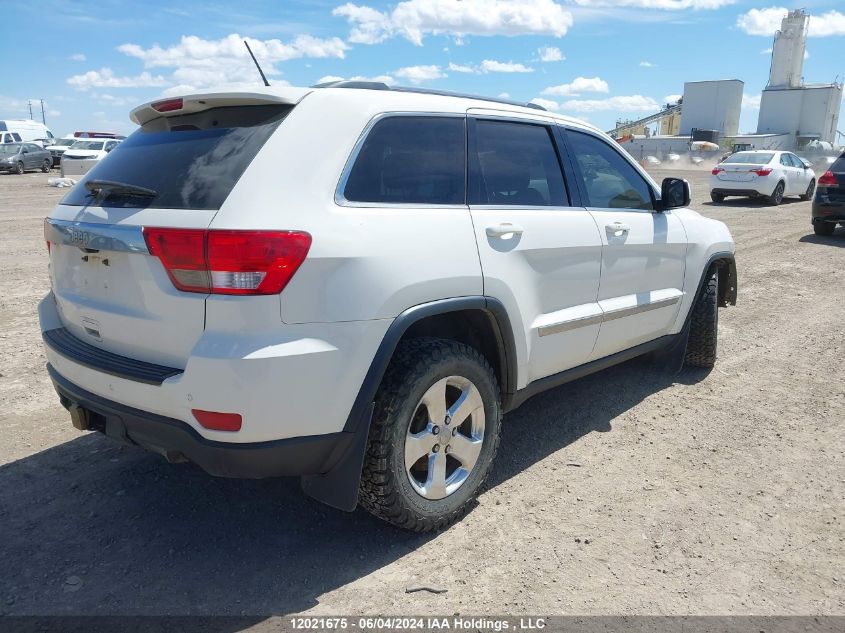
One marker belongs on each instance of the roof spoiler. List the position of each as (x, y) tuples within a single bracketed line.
[(190, 104)]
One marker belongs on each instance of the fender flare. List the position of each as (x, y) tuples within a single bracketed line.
[(339, 486)]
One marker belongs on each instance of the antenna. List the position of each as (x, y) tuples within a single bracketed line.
[(257, 65)]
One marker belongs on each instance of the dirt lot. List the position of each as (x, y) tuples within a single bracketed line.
[(631, 491)]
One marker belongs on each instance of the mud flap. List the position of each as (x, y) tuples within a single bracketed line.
[(672, 356), (338, 487)]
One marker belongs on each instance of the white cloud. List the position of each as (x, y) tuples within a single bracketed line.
[(548, 104), (671, 98), (751, 102), (105, 78), (577, 86), (415, 19), (118, 102), (52, 113), (418, 74), (77, 57), (632, 103), (766, 21), (490, 66), (198, 64), (672, 5), (646, 64), (328, 78), (504, 95), (462, 68), (766, 51), (550, 54)]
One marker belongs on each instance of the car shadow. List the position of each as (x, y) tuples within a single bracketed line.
[(837, 239), (752, 203), (94, 527)]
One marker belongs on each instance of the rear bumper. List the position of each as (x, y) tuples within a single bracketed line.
[(725, 191), (827, 211), (177, 441)]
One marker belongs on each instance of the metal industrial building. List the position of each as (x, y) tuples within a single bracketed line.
[(793, 115)]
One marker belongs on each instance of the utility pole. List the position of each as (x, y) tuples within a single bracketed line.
[(43, 118), (29, 103)]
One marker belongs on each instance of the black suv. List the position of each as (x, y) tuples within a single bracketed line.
[(829, 201)]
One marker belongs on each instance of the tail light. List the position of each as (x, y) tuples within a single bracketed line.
[(717, 170), (762, 172), (827, 179), (168, 105), (228, 262)]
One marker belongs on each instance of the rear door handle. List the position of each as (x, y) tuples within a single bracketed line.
[(505, 228), (617, 229)]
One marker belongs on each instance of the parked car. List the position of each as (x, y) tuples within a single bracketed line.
[(829, 201), (18, 157), (23, 130), (362, 316), (84, 154), (762, 173), (59, 147)]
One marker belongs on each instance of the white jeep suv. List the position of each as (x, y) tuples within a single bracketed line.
[(353, 283)]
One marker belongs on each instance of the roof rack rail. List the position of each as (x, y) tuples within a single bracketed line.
[(378, 85)]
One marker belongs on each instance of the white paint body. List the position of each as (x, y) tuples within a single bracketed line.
[(292, 364), (742, 177)]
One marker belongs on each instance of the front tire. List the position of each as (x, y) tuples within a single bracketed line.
[(46, 165), (777, 195), (434, 434), (811, 189), (704, 324)]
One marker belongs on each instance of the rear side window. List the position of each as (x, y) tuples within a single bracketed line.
[(609, 181), (517, 165), (410, 160), (191, 161)]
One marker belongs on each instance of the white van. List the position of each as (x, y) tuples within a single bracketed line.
[(23, 130)]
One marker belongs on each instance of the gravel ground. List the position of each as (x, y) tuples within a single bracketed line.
[(628, 492)]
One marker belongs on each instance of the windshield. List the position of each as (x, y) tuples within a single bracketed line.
[(192, 161), (87, 145), (755, 158)]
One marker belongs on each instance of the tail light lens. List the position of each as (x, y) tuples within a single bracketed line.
[(827, 179), (717, 170), (762, 172), (229, 262)]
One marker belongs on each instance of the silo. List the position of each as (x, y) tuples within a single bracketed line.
[(712, 105)]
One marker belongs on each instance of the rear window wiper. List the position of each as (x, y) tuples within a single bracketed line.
[(106, 188)]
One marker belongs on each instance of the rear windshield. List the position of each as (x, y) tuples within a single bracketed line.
[(87, 145), (191, 161), (761, 158)]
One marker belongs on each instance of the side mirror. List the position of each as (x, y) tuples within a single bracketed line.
[(674, 194)]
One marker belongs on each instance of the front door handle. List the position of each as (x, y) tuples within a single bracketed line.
[(503, 229), (617, 229)]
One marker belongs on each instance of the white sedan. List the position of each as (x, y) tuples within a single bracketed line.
[(84, 154), (762, 173)]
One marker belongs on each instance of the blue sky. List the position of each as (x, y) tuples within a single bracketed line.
[(92, 61)]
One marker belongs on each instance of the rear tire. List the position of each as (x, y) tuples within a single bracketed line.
[(19, 169), (412, 495), (717, 197), (46, 165), (811, 189), (704, 324), (777, 195), (824, 228)]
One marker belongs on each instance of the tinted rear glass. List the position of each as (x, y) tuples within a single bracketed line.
[(191, 161), (750, 157), (411, 160)]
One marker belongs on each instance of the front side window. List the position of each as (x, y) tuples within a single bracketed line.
[(609, 181), (516, 165), (410, 160)]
